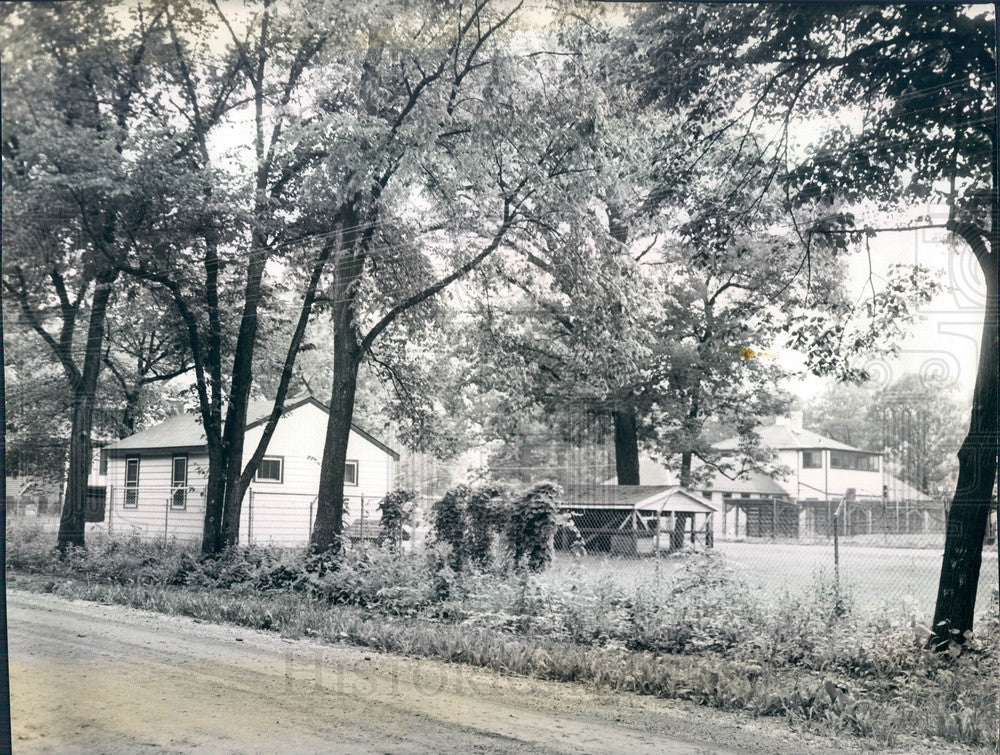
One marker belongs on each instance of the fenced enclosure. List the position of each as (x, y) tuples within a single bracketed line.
[(267, 518), (885, 569)]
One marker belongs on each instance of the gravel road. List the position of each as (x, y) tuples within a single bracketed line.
[(89, 677)]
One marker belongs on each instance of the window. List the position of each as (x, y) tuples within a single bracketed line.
[(854, 460), (131, 483), (812, 459), (178, 483), (270, 469), (351, 473), (102, 468)]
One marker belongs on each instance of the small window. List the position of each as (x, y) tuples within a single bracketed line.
[(351, 473), (178, 483), (102, 468), (131, 483), (270, 469), (812, 459)]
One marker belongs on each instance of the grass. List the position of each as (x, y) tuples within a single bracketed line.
[(879, 578), (698, 632)]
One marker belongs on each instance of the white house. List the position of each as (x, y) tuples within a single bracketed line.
[(156, 478), (803, 501), (822, 470)]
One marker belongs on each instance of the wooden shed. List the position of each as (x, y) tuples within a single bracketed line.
[(632, 520)]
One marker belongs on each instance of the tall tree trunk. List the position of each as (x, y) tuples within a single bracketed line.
[(347, 356), (626, 447), (215, 498), (329, 523), (686, 457), (234, 432), (71, 523), (977, 473)]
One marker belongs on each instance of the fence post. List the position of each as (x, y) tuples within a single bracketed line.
[(361, 529), (111, 509), (166, 520), (310, 522), (250, 518)]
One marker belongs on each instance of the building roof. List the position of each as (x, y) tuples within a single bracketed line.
[(185, 430), (780, 437), (645, 497), (652, 472)]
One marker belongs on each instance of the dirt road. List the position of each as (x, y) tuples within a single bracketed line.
[(96, 678)]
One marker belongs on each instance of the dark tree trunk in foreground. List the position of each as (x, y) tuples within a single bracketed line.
[(626, 447), (330, 504), (685, 480), (84, 386), (348, 351), (977, 472)]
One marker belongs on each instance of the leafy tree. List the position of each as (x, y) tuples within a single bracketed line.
[(924, 78), (637, 297), (73, 76), (464, 126), (917, 422), (145, 349)]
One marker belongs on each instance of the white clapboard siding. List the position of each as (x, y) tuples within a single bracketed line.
[(275, 513), (153, 515)]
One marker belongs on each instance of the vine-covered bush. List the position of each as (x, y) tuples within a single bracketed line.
[(448, 523), (397, 512), (487, 510), (532, 527)]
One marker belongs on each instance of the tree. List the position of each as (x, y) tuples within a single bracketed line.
[(145, 349), (450, 127), (924, 77), (72, 76), (917, 422), (637, 298)]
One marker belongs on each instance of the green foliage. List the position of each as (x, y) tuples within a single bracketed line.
[(448, 524), (397, 512), (469, 520), (487, 509), (697, 633), (532, 527)]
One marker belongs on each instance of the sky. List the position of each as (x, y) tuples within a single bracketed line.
[(944, 343)]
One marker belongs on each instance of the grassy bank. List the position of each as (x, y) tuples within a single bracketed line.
[(700, 635)]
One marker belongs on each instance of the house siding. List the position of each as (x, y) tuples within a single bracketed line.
[(275, 513)]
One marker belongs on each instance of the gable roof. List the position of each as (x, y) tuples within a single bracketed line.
[(652, 472), (782, 437), (185, 430), (645, 497)]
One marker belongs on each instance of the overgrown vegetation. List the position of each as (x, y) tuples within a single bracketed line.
[(699, 633), (477, 525)]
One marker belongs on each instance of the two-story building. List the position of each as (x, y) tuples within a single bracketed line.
[(822, 470)]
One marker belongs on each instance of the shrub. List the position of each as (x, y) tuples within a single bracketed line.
[(397, 512), (532, 527), (448, 523), (486, 514)]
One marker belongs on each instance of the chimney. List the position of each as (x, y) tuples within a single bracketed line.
[(795, 419)]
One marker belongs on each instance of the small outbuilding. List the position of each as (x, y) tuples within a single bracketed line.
[(631, 520)]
